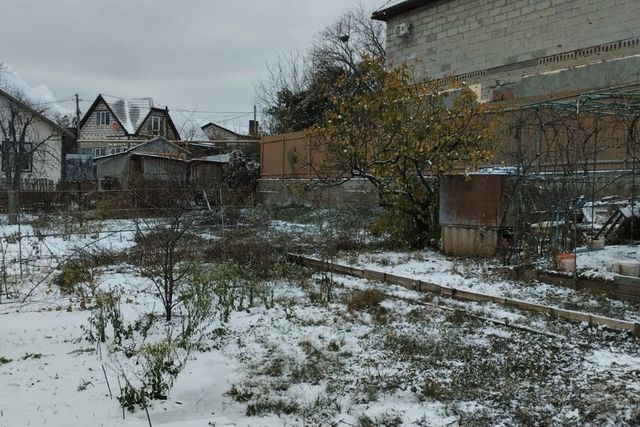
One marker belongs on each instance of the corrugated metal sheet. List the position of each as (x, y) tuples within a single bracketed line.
[(472, 211), (475, 200)]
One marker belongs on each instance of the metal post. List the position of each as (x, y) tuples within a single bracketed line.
[(222, 212)]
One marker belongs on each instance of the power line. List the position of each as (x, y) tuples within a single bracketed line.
[(186, 110), (57, 101)]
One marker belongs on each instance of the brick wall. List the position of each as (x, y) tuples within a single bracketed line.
[(92, 131), (144, 131), (452, 37)]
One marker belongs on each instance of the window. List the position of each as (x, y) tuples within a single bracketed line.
[(103, 118), (100, 151), (116, 150), (9, 155), (157, 125)]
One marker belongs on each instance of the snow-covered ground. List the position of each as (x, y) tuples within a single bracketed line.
[(599, 263), (482, 276), (323, 353)]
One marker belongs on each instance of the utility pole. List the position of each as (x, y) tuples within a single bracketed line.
[(253, 126), (77, 117)]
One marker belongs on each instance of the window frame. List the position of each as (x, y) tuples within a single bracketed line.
[(27, 155), (160, 122), (103, 118)]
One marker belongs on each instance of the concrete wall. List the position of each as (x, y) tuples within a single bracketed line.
[(581, 78), (472, 37), (287, 192)]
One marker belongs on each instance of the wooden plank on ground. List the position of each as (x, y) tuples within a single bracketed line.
[(472, 296), (401, 281), (428, 287), (375, 275), (627, 280), (574, 316)]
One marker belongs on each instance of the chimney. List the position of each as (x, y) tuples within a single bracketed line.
[(254, 128)]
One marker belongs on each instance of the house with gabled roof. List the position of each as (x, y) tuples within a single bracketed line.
[(216, 132), (32, 143), (112, 125)]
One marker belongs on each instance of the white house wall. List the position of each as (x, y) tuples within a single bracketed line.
[(47, 157)]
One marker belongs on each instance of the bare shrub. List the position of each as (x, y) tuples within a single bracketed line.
[(368, 300)]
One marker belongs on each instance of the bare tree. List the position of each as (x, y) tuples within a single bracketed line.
[(31, 144), (351, 37), (162, 255), (297, 89), (165, 255)]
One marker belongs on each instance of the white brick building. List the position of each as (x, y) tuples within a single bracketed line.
[(112, 125)]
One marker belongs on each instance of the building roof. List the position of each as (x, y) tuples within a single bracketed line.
[(138, 146), (44, 118), (129, 113), (399, 7), (209, 124), (220, 158)]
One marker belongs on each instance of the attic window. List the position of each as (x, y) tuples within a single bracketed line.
[(103, 118), (157, 127)]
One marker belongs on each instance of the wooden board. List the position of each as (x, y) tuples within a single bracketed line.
[(465, 295)]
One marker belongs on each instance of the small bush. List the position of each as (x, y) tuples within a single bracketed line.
[(368, 300), (431, 389), (72, 274), (267, 405), (79, 270), (275, 367), (4, 360), (239, 395), (457, 317), (106, 311), (385, 420), (262, 256), (131, 397), (28, 356), (334, 345)]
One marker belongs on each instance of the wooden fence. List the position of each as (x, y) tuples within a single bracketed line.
[(465, 295), (133, 200)]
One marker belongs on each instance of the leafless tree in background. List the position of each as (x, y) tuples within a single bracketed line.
[(295, 93), (25, 143)]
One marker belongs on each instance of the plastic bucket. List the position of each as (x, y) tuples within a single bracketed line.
[(566, 261)]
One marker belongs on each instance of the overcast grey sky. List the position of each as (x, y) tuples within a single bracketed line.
[(187, 54)]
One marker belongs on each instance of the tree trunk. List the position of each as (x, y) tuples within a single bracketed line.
[(13, 206), (420, 234)]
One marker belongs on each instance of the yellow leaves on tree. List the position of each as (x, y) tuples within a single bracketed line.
[(401, 136)]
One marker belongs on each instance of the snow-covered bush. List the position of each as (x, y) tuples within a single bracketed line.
[(241, 171)]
